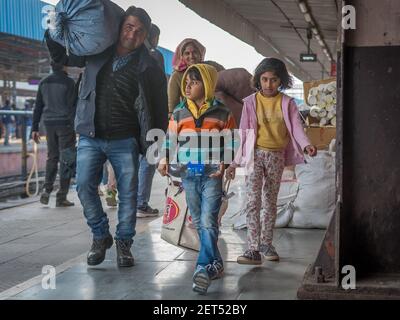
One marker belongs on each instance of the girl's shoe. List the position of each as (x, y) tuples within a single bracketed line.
[(201, 280), (269, 252), (250, 257)]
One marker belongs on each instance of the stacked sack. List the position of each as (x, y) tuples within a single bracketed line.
[(322, 100)]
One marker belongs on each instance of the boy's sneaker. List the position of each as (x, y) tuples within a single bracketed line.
[(147, 212), (250, 257), (111, 198), (215, 270), (201, 280), (269, 252)]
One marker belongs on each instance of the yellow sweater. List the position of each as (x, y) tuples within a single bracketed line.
[(272, 132)]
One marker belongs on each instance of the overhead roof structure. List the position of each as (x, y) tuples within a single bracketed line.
[(22, 53), (278, 28)]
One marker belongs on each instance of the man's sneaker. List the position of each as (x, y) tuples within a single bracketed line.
[(269, 252), (124, 255), (250, 257), (44, 197), (215, 270), (97, 252), (64, 203), (111, 198), (147, 212), (201, 280)]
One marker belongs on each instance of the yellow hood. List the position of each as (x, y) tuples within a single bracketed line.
[(209, 75)]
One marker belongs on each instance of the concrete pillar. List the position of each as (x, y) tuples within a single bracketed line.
[(370, 220)]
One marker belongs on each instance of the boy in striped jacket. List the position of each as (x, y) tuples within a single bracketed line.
[(196, 129)]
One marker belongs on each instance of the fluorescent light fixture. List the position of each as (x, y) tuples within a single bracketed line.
[(314, 30), (267, 42), (318, 37), (262, 38), (321, 43), (303, 7), (290, 61), (307, 16), (275, 49)]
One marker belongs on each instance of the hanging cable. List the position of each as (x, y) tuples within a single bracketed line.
[(34, 170)]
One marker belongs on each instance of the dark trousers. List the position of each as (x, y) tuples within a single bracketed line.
[(58, 139)]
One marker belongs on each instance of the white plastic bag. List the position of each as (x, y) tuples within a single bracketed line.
[(315, 201), (176, 226)]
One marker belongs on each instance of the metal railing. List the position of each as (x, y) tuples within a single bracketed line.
[(24, 152)]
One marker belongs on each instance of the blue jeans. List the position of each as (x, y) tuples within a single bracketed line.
[(123, 156), (203, 197), (146, 174)]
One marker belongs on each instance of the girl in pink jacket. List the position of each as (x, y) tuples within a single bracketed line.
[(272, 137)]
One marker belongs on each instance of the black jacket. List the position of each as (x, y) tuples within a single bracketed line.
[(55, 101), (151, 104)]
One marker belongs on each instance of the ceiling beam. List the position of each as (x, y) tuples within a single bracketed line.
[(224, 16)]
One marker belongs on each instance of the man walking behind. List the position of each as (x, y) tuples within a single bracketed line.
[(55, 103), (122, 97)]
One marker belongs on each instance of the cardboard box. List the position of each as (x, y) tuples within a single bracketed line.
[(321, 137)]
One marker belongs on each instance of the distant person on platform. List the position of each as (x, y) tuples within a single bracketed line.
[(7, 122), (153, 38), (55, 102)]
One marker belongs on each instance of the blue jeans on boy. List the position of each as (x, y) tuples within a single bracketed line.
[(123, 155), (146, 174), (203, 197)]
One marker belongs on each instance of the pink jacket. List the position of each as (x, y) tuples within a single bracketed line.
[(248, 133)]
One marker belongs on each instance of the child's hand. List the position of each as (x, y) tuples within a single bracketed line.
[(163, 167), (219, 173), (311, 150), (230, 173)]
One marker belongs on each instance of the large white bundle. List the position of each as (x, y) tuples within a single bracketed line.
[(314, 111), (323, 122), (323, 101), (312, 100), (322, 113), (287, 194), (315, 201), (331, 86)]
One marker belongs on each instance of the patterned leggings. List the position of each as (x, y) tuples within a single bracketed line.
[(262, 189)]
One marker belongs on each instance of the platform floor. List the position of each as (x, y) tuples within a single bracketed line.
[(34, 235)]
